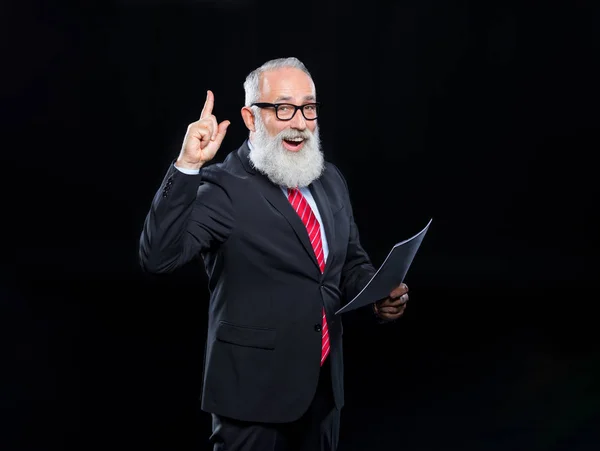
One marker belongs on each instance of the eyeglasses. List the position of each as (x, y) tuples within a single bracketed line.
[(286, 111)]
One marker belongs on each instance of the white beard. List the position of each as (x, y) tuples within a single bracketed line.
[(282, 167)]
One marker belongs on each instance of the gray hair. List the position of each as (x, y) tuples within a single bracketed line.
[(252, 83)]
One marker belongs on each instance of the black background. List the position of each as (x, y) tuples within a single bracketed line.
[(480, 115)]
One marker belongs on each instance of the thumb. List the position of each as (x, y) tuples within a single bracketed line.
[(399, 291), (221, 131)]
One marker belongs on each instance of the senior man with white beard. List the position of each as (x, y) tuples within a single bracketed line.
[(274, 225)]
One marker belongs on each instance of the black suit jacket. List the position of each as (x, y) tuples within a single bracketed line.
[(263, 350)]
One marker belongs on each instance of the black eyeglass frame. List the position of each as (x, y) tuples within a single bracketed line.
[(296, 108)]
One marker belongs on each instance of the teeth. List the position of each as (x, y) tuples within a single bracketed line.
[(295, 139)]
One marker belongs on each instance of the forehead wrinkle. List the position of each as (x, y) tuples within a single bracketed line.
[(285, 98)]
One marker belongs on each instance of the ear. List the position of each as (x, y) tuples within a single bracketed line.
[(248, 117)]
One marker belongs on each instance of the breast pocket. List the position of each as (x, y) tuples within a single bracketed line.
[(253, 337)]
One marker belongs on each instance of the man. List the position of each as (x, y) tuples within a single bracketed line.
[(274, 226)]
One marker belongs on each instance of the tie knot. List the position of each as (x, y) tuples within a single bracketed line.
[(294, 193)]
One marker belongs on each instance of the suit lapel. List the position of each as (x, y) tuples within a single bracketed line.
[(279, 201)]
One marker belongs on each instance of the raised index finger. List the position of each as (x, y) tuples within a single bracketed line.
[(208, 104)]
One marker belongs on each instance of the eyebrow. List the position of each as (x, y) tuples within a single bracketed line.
[(288, 98)]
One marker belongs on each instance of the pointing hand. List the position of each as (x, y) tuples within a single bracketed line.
[(203, 137)]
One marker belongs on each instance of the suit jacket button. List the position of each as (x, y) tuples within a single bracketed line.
[(318, 327)]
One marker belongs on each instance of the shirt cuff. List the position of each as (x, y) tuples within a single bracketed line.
[(188, 171)]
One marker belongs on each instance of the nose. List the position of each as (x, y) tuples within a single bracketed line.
[(298, 122)]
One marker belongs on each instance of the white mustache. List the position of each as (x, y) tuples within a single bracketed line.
[(288, 135)]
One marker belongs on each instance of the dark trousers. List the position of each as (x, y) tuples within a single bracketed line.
[(316, 430)]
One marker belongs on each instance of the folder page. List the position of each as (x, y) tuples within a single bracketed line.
[(390, 274)]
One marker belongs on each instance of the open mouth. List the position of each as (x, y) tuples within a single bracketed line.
[(293, 145)]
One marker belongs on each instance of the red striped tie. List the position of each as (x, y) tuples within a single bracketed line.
[(313, 228)]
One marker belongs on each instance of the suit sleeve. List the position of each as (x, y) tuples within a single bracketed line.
[(189, 214)]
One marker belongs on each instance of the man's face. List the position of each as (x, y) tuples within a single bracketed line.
[(287, 85), (288, 152)]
